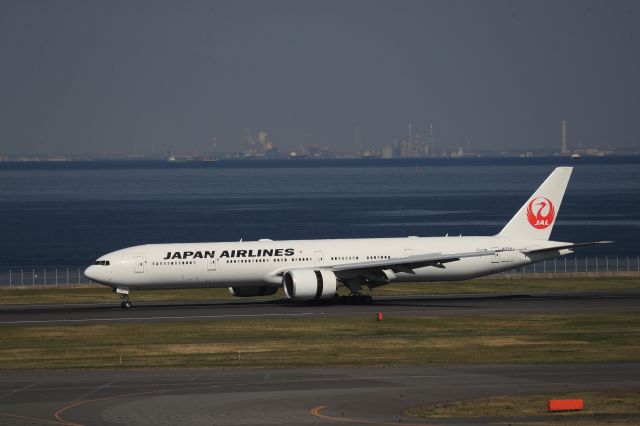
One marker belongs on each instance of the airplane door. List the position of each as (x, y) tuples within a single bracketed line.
[(496, 257), (138, 264), (211, 265), (318, 258), (408, 252)]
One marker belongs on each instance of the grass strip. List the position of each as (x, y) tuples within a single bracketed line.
[(504, 285), (596, 403), (325, 342), (101, 294)]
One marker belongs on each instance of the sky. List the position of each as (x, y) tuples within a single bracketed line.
[(105, 77)]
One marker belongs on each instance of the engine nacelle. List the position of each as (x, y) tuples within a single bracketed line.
[(307, 284), (253, 291)]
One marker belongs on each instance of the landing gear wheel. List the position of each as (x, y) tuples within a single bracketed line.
[(354, 299), (124, 297)]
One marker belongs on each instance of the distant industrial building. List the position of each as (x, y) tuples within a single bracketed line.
[(258, 146), (413, 146), (565, 148)]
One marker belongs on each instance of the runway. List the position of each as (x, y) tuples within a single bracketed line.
[(450, 305), (376, 396)]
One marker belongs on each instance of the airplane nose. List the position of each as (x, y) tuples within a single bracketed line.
[(98, 274), (90, 273)]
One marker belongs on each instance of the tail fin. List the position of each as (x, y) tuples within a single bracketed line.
[(536, 217)]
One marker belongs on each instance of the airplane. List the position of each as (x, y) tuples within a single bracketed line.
[(314, 269)]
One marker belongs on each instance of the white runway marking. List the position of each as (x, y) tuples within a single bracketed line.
[(15, 391), (186, 317)]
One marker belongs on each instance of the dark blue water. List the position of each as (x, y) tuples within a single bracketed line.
[(58, 214)]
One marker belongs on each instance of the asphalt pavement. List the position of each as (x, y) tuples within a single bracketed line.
[(311, 396), (373, 396), (449, 305)]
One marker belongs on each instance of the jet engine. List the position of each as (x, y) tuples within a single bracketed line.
[(253, 291), (307, 284)]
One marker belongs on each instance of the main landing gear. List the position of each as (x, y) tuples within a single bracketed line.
[(354, 299), (355, 296), (124, 296)]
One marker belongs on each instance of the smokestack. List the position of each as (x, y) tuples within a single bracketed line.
[(430, 140), (565, 150), (410, 147)]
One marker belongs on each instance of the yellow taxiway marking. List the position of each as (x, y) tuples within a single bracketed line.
[(316, 411)]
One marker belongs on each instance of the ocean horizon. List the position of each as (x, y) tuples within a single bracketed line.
[(69, 213)]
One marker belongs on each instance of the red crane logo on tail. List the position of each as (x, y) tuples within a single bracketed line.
[(540, 212)]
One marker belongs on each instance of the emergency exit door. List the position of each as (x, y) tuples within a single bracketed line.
[(211, 265), (138, 264)]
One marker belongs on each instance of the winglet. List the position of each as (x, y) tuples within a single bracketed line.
[(536, 217)]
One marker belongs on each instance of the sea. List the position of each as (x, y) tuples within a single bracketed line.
[(56, 214)]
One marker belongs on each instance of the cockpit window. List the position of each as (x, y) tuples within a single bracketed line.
[(102, 262)]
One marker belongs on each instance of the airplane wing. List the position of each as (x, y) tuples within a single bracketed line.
[(564, 246), (406, 264)]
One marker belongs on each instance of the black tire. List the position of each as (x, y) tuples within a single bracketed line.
[(125, 304)]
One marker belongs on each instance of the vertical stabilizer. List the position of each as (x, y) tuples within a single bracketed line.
[(536, 217)]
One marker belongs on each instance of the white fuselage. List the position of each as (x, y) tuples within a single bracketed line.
[(313, 269), (251, 263)]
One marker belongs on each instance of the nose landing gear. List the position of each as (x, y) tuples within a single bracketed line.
[(124, 295)]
